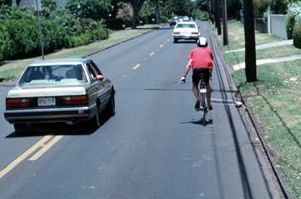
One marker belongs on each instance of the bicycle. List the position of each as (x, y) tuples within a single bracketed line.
[(203, 98)]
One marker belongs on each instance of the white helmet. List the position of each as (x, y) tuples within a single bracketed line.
[(202, 42)]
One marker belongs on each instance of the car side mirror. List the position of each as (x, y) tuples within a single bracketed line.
[(99, 77)]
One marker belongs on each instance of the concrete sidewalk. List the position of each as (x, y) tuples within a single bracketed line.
[(268, 61), (265, 46)]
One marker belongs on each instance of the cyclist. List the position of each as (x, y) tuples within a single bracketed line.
[(200, 60)]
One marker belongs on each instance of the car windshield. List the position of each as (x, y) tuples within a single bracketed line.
[(186, 25), (56, 74)]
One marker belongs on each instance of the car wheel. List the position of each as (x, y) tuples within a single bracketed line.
[(111, 106), (20, 127), (175, 40), (95, 121)]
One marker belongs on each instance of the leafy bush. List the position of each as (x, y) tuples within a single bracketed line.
[(279, 6), (23, 35), (54, 35), (115, 24), (5, 42), (200, 15), (294, 10), (99, 34), (297, 33), (93, 9)]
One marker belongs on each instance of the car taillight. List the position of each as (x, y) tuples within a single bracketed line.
[(194, 33), (176, 33), (76, 100), (17, 102)]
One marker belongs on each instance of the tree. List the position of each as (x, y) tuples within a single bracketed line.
[(136, 5), (93, 9)]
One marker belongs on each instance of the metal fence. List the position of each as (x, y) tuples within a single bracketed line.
[(277, 25)]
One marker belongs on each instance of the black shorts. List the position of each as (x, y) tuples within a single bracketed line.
[(197, 73)]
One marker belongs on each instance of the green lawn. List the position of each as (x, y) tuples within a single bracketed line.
[(275, 101), (12, 70)]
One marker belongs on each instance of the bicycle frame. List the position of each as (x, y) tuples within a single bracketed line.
[(203, 96)]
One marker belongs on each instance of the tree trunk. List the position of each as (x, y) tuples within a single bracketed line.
[(217, 16), (158, 12), (250, 52), (136, 5), (225, 26)]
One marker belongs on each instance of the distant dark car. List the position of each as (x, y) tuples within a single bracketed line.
[(60, 90), (173, 21)]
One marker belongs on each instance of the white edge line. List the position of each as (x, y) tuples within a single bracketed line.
[(22, 157), (136, 66)]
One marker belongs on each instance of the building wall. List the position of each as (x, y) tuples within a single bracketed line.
[(278, 25)]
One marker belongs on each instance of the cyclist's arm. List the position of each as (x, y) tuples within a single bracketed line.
[(187, 68)]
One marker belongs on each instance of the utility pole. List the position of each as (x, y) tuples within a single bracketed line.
[(225, 26), (217, 16), (250, 49), (158, 12), (212, 11)]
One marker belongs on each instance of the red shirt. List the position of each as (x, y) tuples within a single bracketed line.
[(201, 58)]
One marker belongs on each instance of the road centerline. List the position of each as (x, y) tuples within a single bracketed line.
[(45, 148), (25, 155)]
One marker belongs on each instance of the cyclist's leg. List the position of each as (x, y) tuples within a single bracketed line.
[(208, 88), (195, 90)]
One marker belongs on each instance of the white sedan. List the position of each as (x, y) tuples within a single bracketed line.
[(60, 90), (186, 30)]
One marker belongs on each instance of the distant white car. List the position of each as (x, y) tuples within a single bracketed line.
[(186, 30)]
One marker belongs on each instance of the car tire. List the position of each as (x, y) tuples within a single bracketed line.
[(175, 40), (20, 127), (95, 121), (111, 106)]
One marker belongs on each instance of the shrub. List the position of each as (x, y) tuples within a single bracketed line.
[(115, 24), (23, 35), (5, 42), (297, 33), (54, 35), (200, 15), (294, 10), (87, 38)]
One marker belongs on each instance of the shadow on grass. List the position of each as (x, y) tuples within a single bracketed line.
[(293, 136)]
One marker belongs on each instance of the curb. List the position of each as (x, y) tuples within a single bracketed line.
[(258, 130)]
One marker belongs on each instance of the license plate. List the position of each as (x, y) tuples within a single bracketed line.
[(46, 101)]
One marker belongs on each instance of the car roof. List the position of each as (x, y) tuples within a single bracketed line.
[(48, 62), (186, 22)]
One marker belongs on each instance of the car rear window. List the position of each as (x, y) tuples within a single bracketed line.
[(56, 74), (181, 25)]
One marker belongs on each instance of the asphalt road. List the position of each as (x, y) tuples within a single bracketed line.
[(154, 147)]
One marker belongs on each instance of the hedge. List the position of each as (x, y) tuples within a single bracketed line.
[(297, 33), (294, 10), (99, 34), (5, 42), (19, 35)]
